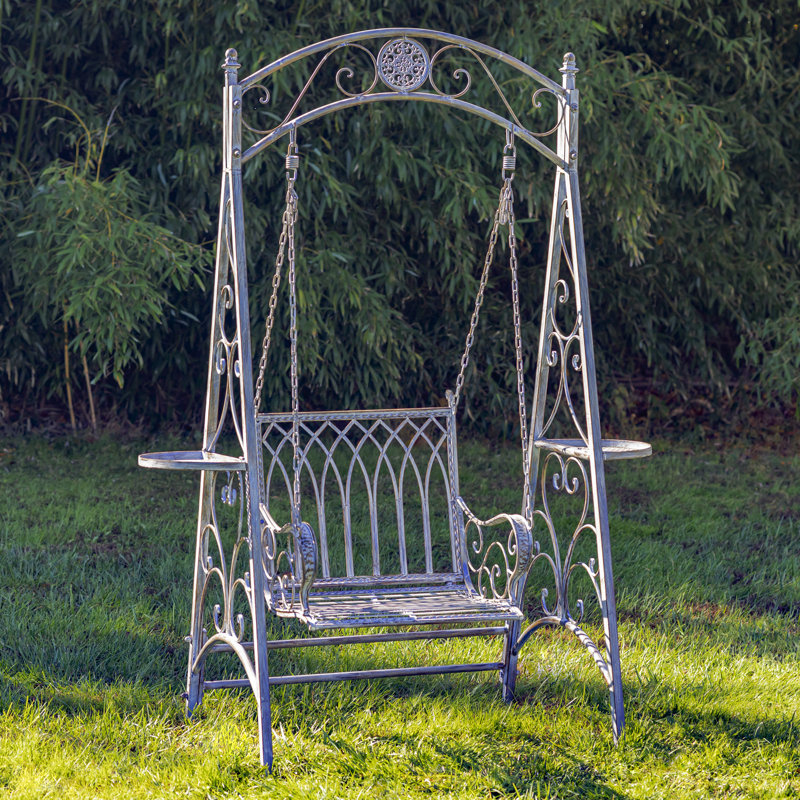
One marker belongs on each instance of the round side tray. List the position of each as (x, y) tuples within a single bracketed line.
[(613, 449), (191, 459)]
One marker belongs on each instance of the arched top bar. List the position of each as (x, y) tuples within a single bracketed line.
[(424, 33), (405, 66), (350, 102)]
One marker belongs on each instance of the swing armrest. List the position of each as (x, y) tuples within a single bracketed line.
[(497, 567), (268, 521), (300, 555)]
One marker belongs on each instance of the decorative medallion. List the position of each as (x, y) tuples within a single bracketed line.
[(403, 65)]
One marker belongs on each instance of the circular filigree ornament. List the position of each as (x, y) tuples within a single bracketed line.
[(403, 65)]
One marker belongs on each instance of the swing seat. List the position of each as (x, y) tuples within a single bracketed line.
[(392, 607), (385, 539)]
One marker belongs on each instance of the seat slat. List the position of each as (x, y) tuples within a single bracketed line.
[(425, 578), (404, 606)]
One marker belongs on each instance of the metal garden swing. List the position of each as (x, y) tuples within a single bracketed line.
[(354, 519)]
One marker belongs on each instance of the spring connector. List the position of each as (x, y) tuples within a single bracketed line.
[(292, 157), (292, 162), (509, 157)]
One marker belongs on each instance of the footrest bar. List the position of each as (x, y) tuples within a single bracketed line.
[(363, 674), (403, 636)]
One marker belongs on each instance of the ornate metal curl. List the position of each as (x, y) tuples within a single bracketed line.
[(571, 484), (229, 628), (290, 572), (226, 350), (536, 103), (493, 562), (462, 72), (263, 100), (350, 74), (346, 71), (561, 342), (403, 66)]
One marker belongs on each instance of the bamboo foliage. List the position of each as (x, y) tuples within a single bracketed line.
[(689, 158)]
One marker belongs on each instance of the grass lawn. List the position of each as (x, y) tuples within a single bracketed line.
[(95, 578)]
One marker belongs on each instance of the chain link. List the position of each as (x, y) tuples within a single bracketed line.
[(295, 391), (286, 248), (287, 235), (503, 216), (476, 312), (523, 420)]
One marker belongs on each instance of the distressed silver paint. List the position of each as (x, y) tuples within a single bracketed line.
[(302, 454)]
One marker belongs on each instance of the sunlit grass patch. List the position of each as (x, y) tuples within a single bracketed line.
[(95, 579)]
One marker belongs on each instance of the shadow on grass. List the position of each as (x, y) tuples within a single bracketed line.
[(512, 760)]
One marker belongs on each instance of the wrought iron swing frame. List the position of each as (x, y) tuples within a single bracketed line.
[(573, 466)]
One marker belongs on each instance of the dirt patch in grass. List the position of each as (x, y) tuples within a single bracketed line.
[(628, 499)]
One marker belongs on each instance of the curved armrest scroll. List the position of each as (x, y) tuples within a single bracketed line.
[(302, 547), (499, 568)]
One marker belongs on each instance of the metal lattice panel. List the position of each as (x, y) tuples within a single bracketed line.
[(395, 461)]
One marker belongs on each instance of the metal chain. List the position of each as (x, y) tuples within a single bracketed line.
[(287, 234), (292, 163), (286, 248), (295, 392), (503, 216), (523, 419), (473, 323)]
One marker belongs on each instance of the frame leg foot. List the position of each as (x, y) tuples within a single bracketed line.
[(265, 737), (261, 689), (615, 696), (194, 683), (509, 674)]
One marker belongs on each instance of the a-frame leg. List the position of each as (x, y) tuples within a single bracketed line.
[(605, 577), (250, 444), (229, 400), (575, 467), (197, 637)]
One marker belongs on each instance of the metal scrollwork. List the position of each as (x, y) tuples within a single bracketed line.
[(568, 477), (290, 572), (537, 103), (229, 493), (350, 74), (562, 342), (457, 74), (264, 100), (229, 627), (498, 568), (462, 73), (403, 65), (226, 349), (343, 72)]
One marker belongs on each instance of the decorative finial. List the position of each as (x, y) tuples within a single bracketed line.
[(231, 61), (569, 67)]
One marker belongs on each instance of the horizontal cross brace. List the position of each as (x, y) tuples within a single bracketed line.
[(402, 636), (362, 674)]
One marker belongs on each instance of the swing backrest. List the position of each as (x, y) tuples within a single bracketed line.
[(378, 488)]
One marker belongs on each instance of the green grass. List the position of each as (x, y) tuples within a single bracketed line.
[(95, 576)]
